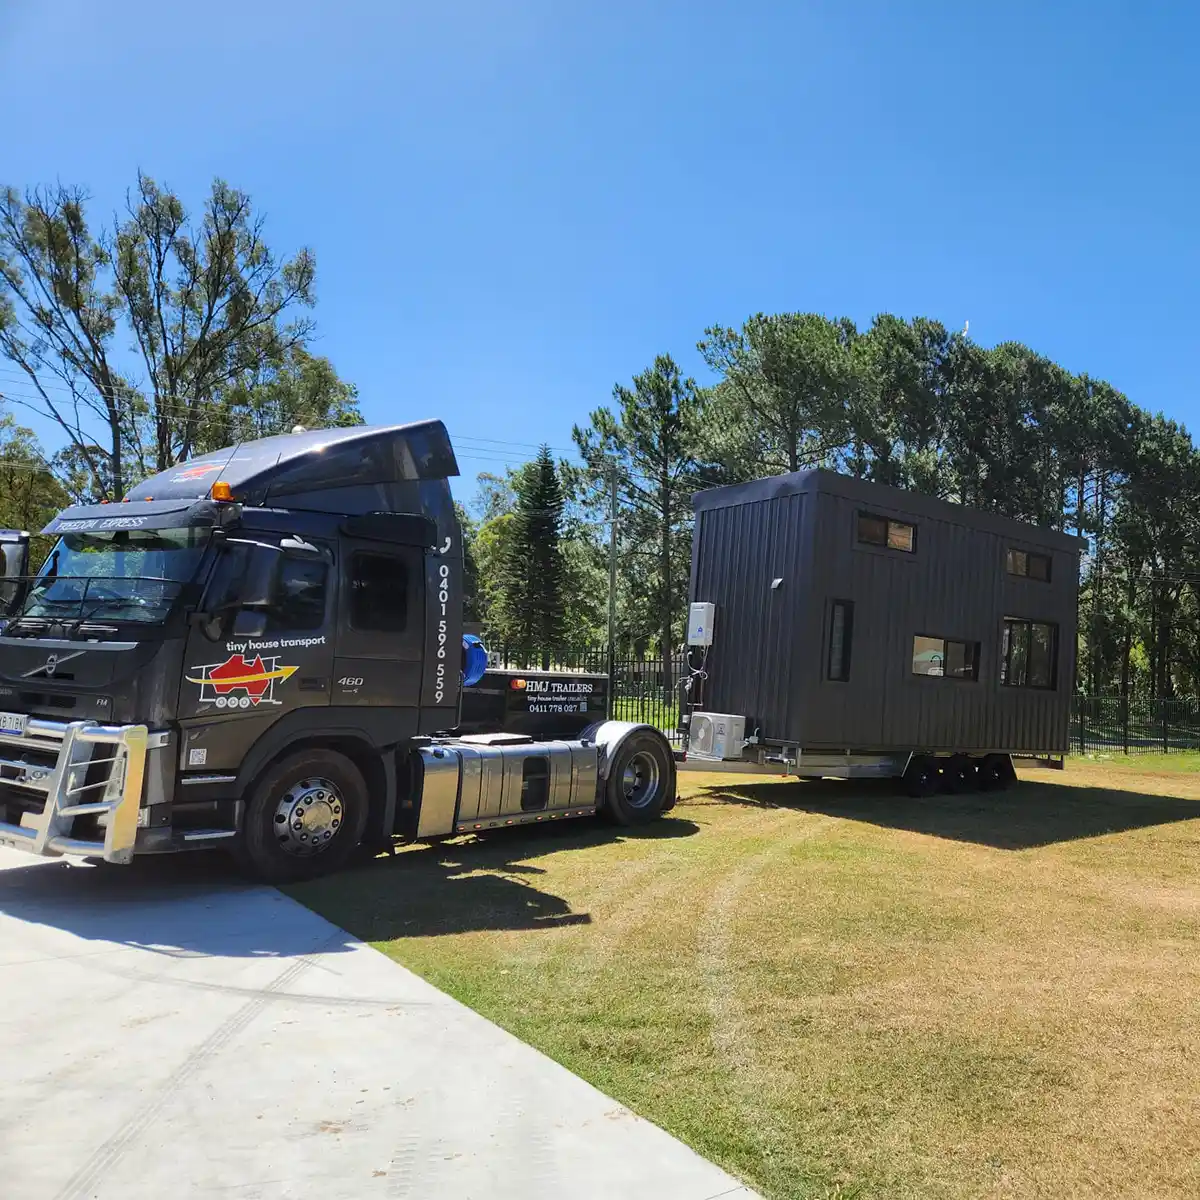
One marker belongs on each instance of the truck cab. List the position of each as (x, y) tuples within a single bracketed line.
[(262, 649)]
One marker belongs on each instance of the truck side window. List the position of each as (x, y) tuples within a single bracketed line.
[(378, 593), (298, 595), (301, 596)]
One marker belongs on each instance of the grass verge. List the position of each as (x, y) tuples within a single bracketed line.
[(836, 992)]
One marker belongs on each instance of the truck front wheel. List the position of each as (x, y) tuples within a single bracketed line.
[(641, 784), (304, 817)]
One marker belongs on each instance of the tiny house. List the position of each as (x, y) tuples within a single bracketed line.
[(858, 629)]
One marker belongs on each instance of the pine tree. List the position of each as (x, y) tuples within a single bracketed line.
[(531, 603)]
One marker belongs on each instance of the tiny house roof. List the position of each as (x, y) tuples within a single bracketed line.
[(888, 499)]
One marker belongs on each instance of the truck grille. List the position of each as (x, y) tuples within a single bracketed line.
[(72, 787)]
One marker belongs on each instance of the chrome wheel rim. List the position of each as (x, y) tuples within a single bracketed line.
[(308, 817), (639, 780)]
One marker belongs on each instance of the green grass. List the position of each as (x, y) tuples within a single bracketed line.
[(833, 991), (649, 710), (1176, 762)]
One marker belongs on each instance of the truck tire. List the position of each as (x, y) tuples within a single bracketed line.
[(641, 784), (304, 817)]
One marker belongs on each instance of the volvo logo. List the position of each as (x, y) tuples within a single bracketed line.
[(51, 665)]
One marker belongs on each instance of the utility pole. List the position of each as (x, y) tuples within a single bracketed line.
[(612, 580)]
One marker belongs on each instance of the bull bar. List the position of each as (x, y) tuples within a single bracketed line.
[(114, 799)]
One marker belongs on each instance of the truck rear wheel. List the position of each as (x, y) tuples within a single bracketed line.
[(305, 817), (641, 784)]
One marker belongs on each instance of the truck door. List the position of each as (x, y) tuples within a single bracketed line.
[(245, 681), (381, 625)]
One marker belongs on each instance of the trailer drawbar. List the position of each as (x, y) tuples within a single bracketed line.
[(262, 650)]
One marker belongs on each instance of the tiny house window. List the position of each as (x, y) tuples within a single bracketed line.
[(1029, 654), (883, 531), (945, 658), (841, 629), (1028, 565)]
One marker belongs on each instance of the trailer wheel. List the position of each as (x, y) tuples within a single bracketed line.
[(641, 784), (923, 777), (305, 817), (996, 772), (958, 774)]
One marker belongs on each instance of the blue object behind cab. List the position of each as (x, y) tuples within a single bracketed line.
[(475, 660)]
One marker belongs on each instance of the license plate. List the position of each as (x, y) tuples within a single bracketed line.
[(13, 722)]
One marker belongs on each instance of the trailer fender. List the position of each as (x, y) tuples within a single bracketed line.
[(608, 737)]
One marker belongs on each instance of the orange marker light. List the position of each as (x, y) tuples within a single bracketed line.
[(221, 490), (519, 684)]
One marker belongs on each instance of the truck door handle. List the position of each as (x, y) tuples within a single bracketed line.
[(313, 683)]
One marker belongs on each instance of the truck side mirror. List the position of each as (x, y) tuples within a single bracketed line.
[(14, 567), (259, 586)]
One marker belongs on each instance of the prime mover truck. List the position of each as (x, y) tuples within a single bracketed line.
[(262, 649)]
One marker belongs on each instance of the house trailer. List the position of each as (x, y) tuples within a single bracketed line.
[(844, 628)]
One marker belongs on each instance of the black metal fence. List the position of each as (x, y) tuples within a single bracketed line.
[(642, 689), (1115, 724)]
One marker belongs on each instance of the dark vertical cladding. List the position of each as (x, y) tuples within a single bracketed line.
[(778, 556), (744, 550)]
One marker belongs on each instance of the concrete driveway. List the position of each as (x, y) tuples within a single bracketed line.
[(166, 1030)]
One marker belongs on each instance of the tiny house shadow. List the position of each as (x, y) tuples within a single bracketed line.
[(1029, 815)]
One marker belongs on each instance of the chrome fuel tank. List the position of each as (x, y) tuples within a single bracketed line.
[(489, 780)]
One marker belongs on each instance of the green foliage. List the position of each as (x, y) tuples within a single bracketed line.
[(29, 492), (472, 600), (160, 337), (649, 448), (790, 381), (528, 607)]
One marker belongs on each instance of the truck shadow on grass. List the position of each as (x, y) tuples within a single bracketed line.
[(1027, 816), (480, 883), (196, 905)]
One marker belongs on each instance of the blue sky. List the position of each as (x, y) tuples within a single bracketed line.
[(515, 206)]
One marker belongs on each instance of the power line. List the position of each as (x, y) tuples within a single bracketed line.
[(224, 414), (475, 448), (185, 405)]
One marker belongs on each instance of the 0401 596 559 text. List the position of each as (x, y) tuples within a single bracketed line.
[(441, 674)]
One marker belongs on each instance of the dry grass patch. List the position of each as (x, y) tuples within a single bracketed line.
[(834, 991)]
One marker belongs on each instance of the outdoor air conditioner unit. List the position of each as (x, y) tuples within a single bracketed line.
[(716, 736)]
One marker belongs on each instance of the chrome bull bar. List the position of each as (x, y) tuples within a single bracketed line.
[(115, 798)]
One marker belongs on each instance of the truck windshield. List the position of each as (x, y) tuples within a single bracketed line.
[(125, 575)]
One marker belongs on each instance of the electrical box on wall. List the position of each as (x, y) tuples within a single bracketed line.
[(700, 624)]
